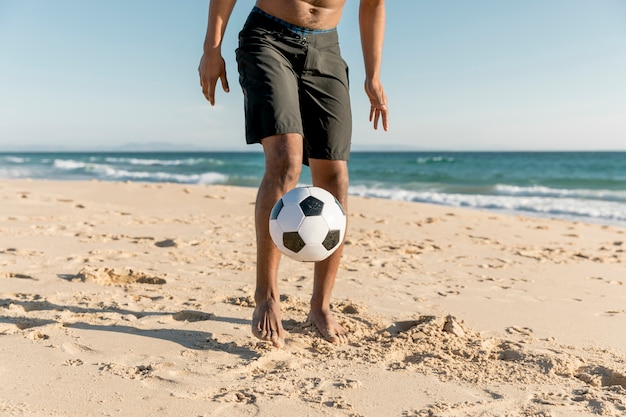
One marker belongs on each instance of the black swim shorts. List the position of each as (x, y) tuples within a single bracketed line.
[(294, 80)]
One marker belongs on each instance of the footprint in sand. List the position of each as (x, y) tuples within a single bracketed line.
[(192, 316), (612, 313), (244, 301), (20, 252), (15, 275), (116, 276), (405, 326), (166, 243), (23, 323), (601, 376), (524, 331), (607, 281), (127, 371)]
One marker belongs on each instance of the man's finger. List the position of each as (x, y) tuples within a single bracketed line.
[(211, 96), (384, 115), (224, 80)]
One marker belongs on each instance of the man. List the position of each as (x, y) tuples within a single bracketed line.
[(297, 106)]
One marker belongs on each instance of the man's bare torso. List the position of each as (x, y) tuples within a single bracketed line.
[(314, 14)]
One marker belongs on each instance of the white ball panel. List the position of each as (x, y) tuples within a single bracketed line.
[(277, 234), (313, 253), (296, 195), (290, 218), (334, 216), (313, 230)]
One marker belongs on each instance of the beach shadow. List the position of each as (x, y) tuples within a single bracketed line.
[(191, 339), (404, 326), (35, 305), (17, 276), (25, 323)]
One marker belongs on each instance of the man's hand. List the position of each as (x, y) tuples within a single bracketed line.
[(212, 67), (378, 100)]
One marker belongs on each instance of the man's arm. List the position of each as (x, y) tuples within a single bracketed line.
[(372, 25), (212, 66)]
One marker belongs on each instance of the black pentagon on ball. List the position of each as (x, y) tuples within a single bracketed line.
[(293, 241), (332, 239), (311, 206), (276, 209)]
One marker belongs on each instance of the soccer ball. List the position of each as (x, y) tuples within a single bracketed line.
[(308, 224)]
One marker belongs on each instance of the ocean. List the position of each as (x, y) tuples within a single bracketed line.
[(580, 186)]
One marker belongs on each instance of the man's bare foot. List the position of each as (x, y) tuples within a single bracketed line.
[(266, 323), (325, 322)]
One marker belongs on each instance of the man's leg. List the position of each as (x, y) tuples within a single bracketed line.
[(283, 164), (332, 176)]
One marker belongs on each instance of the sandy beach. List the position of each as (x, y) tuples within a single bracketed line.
[(133, 299)]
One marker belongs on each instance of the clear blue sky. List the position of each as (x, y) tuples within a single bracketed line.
[(460, 75)]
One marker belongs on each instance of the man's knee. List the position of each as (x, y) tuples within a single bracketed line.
[(329, 171), (283, 157), (331, 175)]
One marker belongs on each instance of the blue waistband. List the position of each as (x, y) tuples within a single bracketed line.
[(300, 30)]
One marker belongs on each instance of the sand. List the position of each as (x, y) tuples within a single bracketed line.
[(130, 299)]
